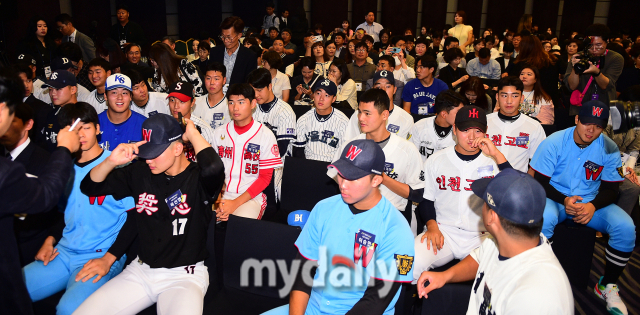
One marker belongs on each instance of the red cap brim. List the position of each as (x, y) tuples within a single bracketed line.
[(180, 96)]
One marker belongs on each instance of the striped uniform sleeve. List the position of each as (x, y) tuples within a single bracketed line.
[(301, 136), (269, 153), (286, 125)]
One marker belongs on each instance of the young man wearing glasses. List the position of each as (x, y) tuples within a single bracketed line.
[(238, 60)]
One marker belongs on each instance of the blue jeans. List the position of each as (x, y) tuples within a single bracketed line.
[(610, 219), (43, 281)]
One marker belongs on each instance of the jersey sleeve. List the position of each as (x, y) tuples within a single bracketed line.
[(397, 252), (269, 153), (539, 137), (116, 183), (286, 126), (612, 171), (413, 135), (301, 134), (415, 178), (546, 156), (429, 180), (308, 242), (352, 128)]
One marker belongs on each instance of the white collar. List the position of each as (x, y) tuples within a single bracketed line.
[(16, 152), (73, 35)]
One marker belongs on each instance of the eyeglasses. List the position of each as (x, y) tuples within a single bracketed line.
[(361, 50), (227, 38)]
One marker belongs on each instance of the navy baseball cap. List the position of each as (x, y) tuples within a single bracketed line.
[(60, 79), (594, 112), (61, 63), (471, 116), (26, 59), (359, 159), (159, 130), (513, 195), (327, 85), (298, 218), (384, 74), (182, 91)]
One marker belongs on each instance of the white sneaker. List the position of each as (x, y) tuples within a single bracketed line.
[(609, 293)]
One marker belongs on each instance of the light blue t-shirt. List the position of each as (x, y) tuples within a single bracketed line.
[(422, 98)]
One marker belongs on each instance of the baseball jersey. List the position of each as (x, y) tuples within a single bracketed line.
[(49, 132), (39, 92), (321, 138), (333, 233), (205, 131), (424, 136), (216, 115), (532, 282), (83, 94), (157, 103), (111, 134), (91, 222), (245, 155), (280, 119), (98, 101), (399, 123), (422, 98), (447, 182), (574, 171), (518, 140), (401, 162), (172, 212)]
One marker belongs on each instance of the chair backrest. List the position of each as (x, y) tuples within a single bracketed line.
[(189, 46), (304, 183), (265, 243), (182, 48)]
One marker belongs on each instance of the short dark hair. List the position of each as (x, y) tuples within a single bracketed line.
[(519, 230), (451, 54), (395, 39), (341, 34), (511, 81), (216, 66), (64, 18), (22, 68), (271, 5), (308, 62), (409, 38), (131, 45), (285, 30), (273, 59), (360, 44), (70, 112), (69, 50), (99, 62), (484, 53), (122, 6), (259, 78), (508, 47), (11, 89), (389, 59), (478, 41), (204, 45), (168, 38), (273, 28), (598, 29), (447, 100), (278, 38), (368, 38), (233, 21), (449, 40), (379, 98), (427, 61), (436, 35), (490, 38), (422, 40), (243, 89), (135, 77), (24, 113)]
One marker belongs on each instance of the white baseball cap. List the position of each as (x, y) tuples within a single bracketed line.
[(118, 80)]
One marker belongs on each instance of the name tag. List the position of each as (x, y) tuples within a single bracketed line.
[(485, 171), (591, 166), (359, 87), (524, 140), (423, 109), (47, 71), (365, 238), (174, 200), (122, 42)]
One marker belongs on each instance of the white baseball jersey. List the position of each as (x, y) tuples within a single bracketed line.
[(157, 103), (401, 163), (447, 182), (399, 123), (245, 155), (518, 140), (280, 119), (216, 115), (532, 282), (321, 138), (83, 94), (39, 92), (424, 136), (99, 102)]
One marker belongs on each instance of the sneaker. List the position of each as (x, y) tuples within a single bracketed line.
[(609, 293)]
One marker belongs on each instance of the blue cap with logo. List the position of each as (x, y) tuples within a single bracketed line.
[(60, 79), (117, 80), (298, 218), (594, 112), (359, 159), (384, 74), (327, 85), (26, 59), (513, 195), (159, 130)]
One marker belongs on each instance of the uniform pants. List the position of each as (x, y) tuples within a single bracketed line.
[(252, 209), (610, 219), (178, 290), (60, 274)]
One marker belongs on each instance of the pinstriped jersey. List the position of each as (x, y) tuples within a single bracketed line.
[(321, 138), (423, 134), (280, 119), (399, 123), (205, 131), (99, 102), (157, 103), (215, 115), (245, 155)]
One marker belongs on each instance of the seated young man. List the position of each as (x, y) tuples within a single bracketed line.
[(171, 230), (351, 229), (321, 130), (515, 271), (181, 102), (144, 102), (91, 225), (212, 108), (581, 170), (98, 71), (118, 123), (39, 109), (451, 211), (386, 62), (249, 152), (420, 93)]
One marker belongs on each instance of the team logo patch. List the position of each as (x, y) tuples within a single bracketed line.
[(393, 128), (274, 150), (146, 203), (253, 148), (490, 200), (620, 171), (404, 263), (364, 247), (290, 131), (592, 170), (222, 137), (353, 152), (146, 134)]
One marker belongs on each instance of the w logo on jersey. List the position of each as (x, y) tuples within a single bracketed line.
[(597, 111), (364, 247), (146, 134), (353, 152), (592, 170), (92, 200)]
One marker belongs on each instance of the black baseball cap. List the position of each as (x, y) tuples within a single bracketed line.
[(182, 91), (26, 59), (327, 85), (61, 63), (60, 79), (359, 159), (384, 74), (471, 116), (513, 195), (159, 130), (594, 112)]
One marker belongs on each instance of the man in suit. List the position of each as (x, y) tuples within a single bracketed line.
[(238, 60), (71, 34), (21, 194)]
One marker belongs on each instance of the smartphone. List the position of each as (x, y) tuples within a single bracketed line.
[(181, 122), (395, 50), (317, 38), (305, 86)]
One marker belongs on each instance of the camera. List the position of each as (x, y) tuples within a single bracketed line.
[(624, 116), (586, 57)]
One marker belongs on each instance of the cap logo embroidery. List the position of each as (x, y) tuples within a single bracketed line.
[(325, 83), (146, 134), (119, 79), (353, 152), (473, 113), (65, 60), (383, 73), (21, 56), (597, 111), (54, 76), (178, 86), (490, 200)]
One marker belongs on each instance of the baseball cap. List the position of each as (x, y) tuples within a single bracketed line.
[(298, 218), (594, 112), (384, 74), (26, 59), (327, 85), (61, 63), (181, 90), (513, 195), (471, 116), (159, 130), (117, 80), (60, 79), (359, 159)]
